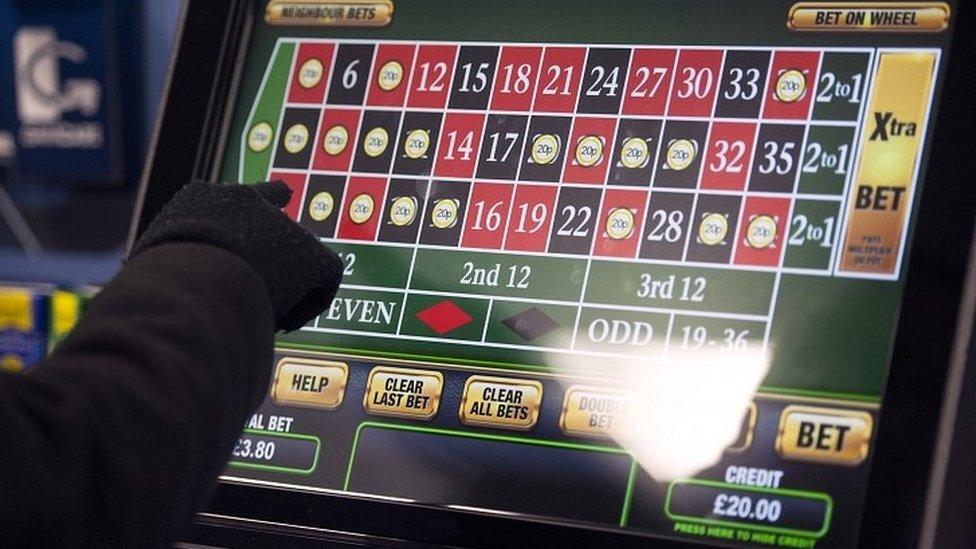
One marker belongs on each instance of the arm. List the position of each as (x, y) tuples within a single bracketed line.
[(117, 437)]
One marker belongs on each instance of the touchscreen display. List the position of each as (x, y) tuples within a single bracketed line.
[(629, 265)]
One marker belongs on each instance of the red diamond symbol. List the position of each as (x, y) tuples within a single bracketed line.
[(444, 317)]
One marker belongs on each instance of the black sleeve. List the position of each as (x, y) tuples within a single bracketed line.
[(116, 439)]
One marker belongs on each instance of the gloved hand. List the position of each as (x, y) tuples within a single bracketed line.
[(301, 275)]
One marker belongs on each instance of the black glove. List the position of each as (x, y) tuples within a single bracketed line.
[(301, 275)]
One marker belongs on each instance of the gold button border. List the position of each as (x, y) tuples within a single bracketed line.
[(404, 372), (315, 363), (510, 381), (827, 412)]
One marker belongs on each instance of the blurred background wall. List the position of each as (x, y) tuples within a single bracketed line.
[(80, 84)]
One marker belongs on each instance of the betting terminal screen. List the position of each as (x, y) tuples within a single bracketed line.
[(628, 265)]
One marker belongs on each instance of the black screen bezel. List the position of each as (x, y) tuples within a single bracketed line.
[(187, 145)]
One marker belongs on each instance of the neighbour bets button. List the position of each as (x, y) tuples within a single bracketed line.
[(824, 435), (402, 392), (309, 383), (500, 402)]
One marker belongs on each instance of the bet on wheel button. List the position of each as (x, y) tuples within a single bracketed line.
[(309, 383)]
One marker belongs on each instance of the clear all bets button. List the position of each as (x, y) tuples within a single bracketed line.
[(504, 403), (309, 383), (403, 392), (824, 435)]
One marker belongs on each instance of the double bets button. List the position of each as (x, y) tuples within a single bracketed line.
[(402, 392), (595, 412), (309, 383), (824, 435), (505, 403)]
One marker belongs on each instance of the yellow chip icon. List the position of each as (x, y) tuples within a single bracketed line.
[(320, 206), (545, 148), (310, 73), (259, 137), (417, 143), (761, 232), (390, 75), (791, 86), (713, 228), (589, 151), (681, 153), (296, 138), (376, 142), (445, 213), (11, 363), (361, 208), (403, 210), (335, 140), (620, 223), (634, 153)]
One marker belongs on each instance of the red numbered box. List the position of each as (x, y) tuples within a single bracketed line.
[(792, 84), (459, 143), (362, 207), (696, 79), (590, 150), (487, 215), (619, 230), (295, 182), (432, 73), (559, 79), (729, 156), (338, 132), (518, 71), (649, 81), (310, 74), (531, 218), (762, 231), (391, 75)]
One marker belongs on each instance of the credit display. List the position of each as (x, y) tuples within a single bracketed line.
[(631, 274)]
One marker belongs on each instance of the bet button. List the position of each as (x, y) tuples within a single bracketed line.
[(824, 435), (309, 383), (594, 412), (402, 392), (500, 402)]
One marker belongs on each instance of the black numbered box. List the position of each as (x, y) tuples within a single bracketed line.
[(444, 213), (680, 153), (743, 84), (666, 225), (603, 81), (776, 158), (417, 145), (576, 214), (323, 204), (501, 146), (350, 74), (473, 77), (377, 141), (634, 152), (297, 138), (545, 148), (406, 202), (713, 228)]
